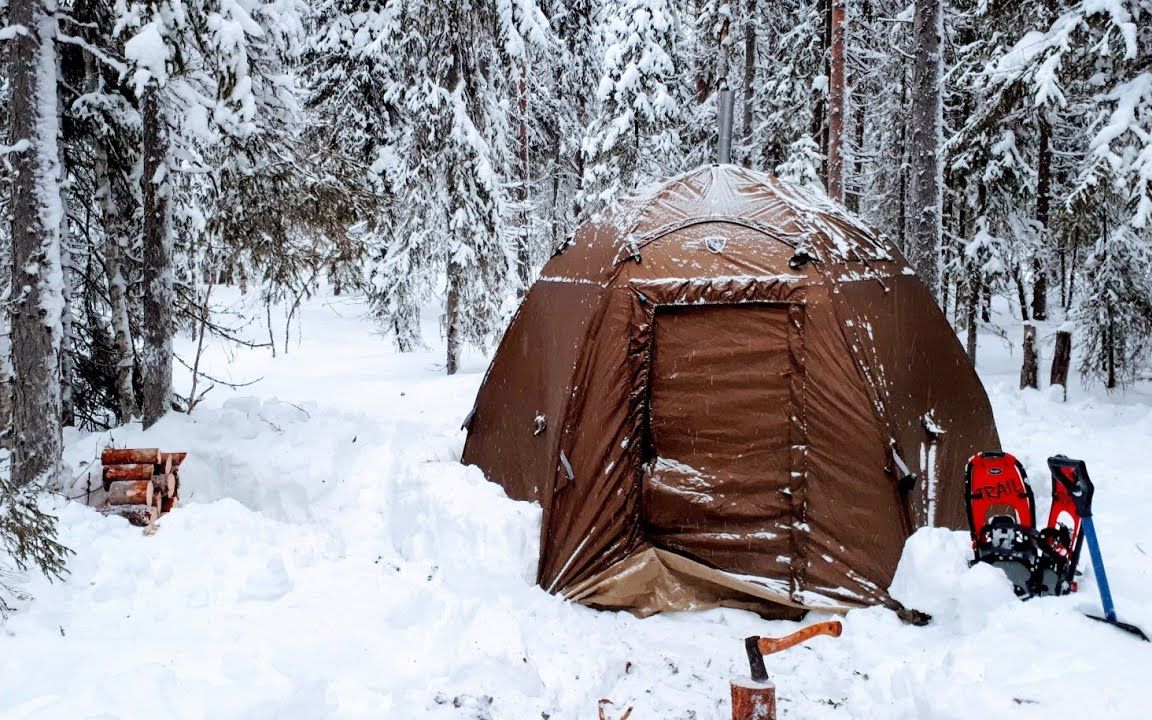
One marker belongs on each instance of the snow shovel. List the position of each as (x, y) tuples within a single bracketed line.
[(1102, 582), (1081, 491)]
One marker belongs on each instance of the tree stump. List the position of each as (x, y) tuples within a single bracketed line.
[(1030, 370), (1061, 359), (753, 700)]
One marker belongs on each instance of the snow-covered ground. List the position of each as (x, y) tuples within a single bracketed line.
[(331, 559)]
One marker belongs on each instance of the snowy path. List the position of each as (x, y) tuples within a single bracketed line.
[(332, 560)]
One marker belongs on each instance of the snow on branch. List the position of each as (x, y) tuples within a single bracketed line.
[(93, 51), (10, 32), (18, 147)]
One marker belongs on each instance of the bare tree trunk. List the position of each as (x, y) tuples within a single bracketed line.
[(836, 102), (1110, 354), (1062, 251), (1021, 295), (749, 79), (523, 239), (559, 219), (452, 328), (1061, 359), (156, 350), (1043, 200), (820, 114), (902, 195), (853, 198), (973, 313), (927, 126), (1072, 272), (1030, 369), (37, 301)]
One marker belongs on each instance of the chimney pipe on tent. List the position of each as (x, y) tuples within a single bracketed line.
[(724, 119)]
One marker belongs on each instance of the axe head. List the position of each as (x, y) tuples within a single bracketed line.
[(755, 659)]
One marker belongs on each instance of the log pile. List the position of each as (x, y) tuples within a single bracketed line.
[(142, 484)]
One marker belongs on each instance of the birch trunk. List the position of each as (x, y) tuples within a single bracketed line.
[(117, 287), (452, 324), (37, 304), (68, 280), (158, 300), (926, 128)]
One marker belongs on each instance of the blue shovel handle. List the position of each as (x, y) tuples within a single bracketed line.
[(1098, 569)]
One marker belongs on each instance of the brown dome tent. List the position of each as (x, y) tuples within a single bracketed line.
[(712, 390)]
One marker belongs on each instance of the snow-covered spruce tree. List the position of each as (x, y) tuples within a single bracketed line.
[(1089, 68), (272, 214), (709, 45), (1017, 128), (104, 144), (565, 105), (635, 132), (530, 108), (354, 86), (457, 135), (35, 297), (1115, 312), (441, 125), (161, 54), (989, 179), (786, 90), (214, 89)]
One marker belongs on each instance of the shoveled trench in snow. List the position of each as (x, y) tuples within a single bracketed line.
[(333, 560)]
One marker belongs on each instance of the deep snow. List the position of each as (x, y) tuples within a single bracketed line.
[(331, 559)]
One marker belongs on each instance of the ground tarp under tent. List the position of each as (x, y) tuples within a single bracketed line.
[(710, 391)]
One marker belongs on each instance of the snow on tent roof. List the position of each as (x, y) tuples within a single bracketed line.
[(803, 217)]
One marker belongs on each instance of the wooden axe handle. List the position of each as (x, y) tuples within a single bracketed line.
[(775, 645)]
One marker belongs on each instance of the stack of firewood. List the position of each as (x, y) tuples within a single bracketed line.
[(142, 485)]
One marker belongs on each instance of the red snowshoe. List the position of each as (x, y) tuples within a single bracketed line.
[(1002, 518), (1064, 536), (997, 488)]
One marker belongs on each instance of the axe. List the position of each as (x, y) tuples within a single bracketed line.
[(757, 647)]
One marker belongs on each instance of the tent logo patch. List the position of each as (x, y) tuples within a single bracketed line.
[(716, 243)]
